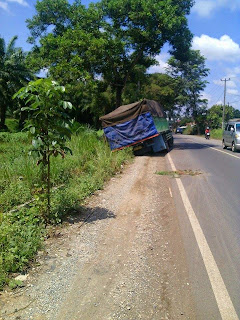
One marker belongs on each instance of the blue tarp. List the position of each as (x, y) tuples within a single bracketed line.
[(132, 131)]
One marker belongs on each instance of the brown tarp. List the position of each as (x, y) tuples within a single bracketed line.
[(131, 111)]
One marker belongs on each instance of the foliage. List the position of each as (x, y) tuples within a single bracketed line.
[(21, 234), (162, 88), (216, 134), (12, 125), (73, 179), (13, 74), (111, 39), (190, 130), (184, 121), (214, 115), (48, 125), (190, 76)]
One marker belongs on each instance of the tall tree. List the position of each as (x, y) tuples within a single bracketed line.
[(136, 31), (214, 115), (13, 74), (191, 78), (110, 39), (163, 88)]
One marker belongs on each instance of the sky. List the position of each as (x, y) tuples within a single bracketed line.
[(215, 25)]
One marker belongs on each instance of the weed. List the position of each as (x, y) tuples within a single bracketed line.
[(21, 234), (178, 173)]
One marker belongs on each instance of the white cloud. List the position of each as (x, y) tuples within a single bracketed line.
[(224, 49), (205, 8), (21, 2), (4, 5), (230, 83), (162, 64), (233, 91), (235, 70), (207, 96)]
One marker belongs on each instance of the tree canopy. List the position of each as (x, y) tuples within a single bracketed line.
[(191, 78), (109, 40)]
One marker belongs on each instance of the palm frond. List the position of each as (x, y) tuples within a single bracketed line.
[(2, 49), (11, 46)]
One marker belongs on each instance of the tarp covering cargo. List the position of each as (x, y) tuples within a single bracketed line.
[(132, 111), (130, 132), (129, 124)]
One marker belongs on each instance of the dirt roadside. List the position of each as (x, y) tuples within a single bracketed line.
[(126, 261)]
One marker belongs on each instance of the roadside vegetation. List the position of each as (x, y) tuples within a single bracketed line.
[(216, 134), (73, 179)]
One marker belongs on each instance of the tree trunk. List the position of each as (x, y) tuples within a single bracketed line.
[(48, 187), (119, 90), (3, 110)]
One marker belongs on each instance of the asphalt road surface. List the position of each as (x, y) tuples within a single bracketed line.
[(208, 208)]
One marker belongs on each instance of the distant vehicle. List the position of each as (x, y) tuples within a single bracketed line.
[(231, 135), (179, 130)]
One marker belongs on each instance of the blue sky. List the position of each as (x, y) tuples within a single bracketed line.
[(214, 23)]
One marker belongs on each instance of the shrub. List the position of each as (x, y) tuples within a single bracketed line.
[(21, 235), (216, 134), (190, 130)]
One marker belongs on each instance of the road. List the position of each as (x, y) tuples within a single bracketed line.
[(214, 255)]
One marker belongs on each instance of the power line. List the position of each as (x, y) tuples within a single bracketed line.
[(218, 98)]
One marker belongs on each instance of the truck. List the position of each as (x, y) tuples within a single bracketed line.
[(141, 125)]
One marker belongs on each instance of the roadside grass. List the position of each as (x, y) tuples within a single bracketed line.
[(178, 173), (216, 134), (12, 125), (73, 179)]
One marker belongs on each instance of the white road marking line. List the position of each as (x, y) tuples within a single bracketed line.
[(223, 299), (207, 145), (229, 154), (170, 191)]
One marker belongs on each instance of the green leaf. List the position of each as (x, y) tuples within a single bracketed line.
[(32, 130), (35, 143)]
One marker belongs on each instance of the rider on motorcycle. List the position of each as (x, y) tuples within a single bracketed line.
[(207, 132)]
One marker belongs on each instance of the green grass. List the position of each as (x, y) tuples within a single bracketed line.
[(216, 134), (12, 125), (78, 176), (178, 173)]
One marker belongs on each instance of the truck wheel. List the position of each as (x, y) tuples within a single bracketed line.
[(223, 145)]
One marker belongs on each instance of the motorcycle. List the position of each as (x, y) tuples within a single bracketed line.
[(207, 135)]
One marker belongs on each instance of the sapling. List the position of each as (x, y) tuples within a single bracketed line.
[(48, 125)]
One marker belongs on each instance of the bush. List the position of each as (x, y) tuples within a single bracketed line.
[(190, 130), (21, 235), (216, 134)]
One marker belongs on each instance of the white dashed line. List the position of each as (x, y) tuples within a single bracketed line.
[(221, 294)]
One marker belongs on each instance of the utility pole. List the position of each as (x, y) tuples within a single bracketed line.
[(224, 104)]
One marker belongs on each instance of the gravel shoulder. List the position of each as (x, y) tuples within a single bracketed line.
[(121, 258)]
